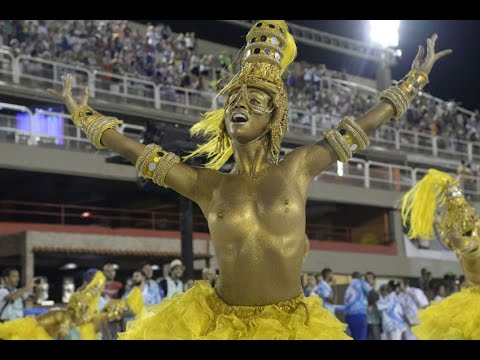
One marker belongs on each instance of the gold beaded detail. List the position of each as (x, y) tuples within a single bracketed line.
[(405, 91), (154, 163), (356, 137), (164, 167), (94, 124), (147, 157), (339, 145)]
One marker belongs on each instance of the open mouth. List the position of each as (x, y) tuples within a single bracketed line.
[(239, 118)]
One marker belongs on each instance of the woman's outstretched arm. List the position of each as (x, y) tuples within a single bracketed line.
[(317, 157), (191, 182)]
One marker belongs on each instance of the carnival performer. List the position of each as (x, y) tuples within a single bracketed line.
[(437, 201), (81, 319), (255, 213)]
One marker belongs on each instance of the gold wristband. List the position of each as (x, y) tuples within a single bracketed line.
[(142, 160), (154, 163), (339, 145), (402, 95), (164, 167), (355, 136), (96, 129), (83, 115), (396, 97), (94, 124)]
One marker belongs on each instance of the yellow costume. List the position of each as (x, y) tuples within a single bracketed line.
[(201, 314), (256, 213), (437, 199), (81, 313)]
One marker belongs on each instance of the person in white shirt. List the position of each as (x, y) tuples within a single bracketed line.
[(393, 318), (173, 284), (412, 300), (11, 298)]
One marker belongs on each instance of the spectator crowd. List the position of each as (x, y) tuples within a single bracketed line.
[(156, 53)]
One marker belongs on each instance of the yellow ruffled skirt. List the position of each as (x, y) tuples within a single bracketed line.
[(456, 317), (26, 328), (201, 314)]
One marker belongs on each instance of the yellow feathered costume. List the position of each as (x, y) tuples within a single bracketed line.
[(437, 200), (200, 313), (81, 314)]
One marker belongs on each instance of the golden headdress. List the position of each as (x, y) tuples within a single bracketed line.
[(435, 191), (270, 49)]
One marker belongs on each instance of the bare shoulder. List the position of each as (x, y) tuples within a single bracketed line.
[(310, 159), (210, 175)]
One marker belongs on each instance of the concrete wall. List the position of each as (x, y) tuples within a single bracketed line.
[(29, 158), (348, 194), (11, 245)]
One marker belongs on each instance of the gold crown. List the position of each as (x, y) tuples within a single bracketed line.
[(270, 49), (264, 52), (265, 42)]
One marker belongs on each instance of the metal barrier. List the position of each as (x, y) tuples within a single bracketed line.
[(86, 215), (9, 130), (118, 88), (41, 73), (29, 129), (355, 173), (6, 65)]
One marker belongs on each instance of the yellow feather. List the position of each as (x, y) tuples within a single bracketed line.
[(420, 203), (211, 126)]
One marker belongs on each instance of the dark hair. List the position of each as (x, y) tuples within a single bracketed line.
[(141, 272), (370, 273), (356, 275), (7, 271), (326, 271), (392, 284)]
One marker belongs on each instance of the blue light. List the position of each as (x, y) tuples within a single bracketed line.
[(43, 125)]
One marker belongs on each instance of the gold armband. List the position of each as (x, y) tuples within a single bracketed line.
[(353, 133), (154, 163), (347, 138), (94, 124), (339, 145), (402, 94)]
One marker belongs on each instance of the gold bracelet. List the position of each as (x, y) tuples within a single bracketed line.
[(411, 84), (396, 98), (154, 163), (94, 124), (96, 129), (164, 167), (339, 145), (83, 113), (148, 160), (402, 95), (146, 153), (354, 134)]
